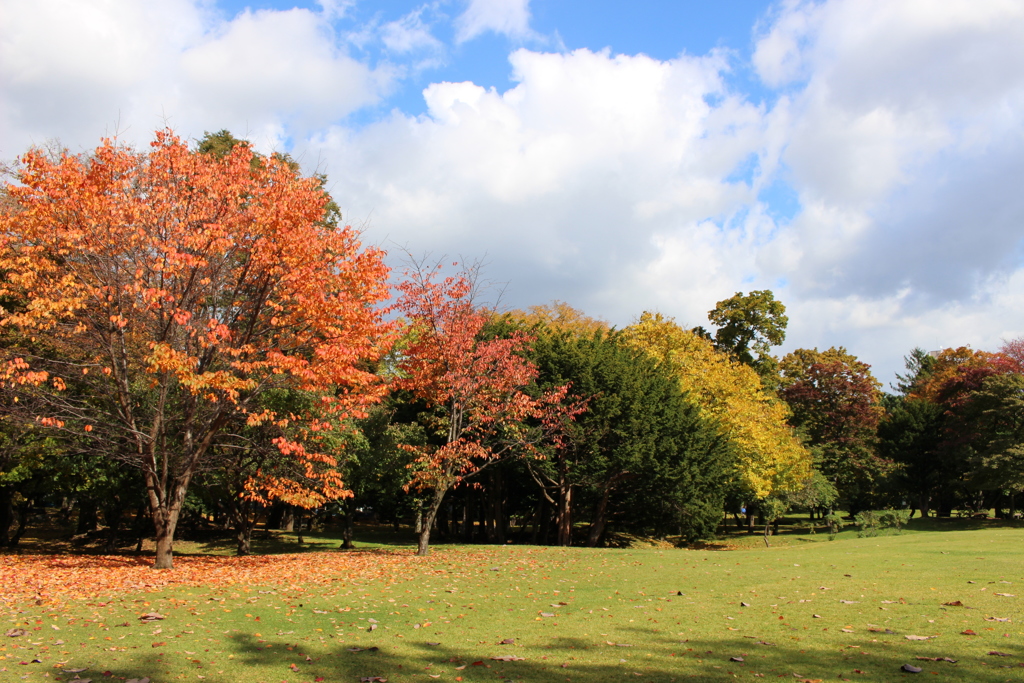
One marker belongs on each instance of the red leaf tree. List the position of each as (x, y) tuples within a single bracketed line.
[(474, 385), (173, 290)]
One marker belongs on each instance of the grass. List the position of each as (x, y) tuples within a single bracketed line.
[(616, 615)]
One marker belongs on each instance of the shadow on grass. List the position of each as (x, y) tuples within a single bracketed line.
[(650, 656)]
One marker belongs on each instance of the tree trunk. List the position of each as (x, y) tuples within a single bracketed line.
[(600, 515), (563, 516), (165, 507), (428, 522), (165, 520), (923, 505), (88, 519), (6, 513), (288, 519), (346, 530), (243, 522), (24, 511), (112, 515)]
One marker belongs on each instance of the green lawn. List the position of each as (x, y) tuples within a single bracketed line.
[(816, 610)]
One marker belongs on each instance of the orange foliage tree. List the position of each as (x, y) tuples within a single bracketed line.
[(475, 386), (173, 291)]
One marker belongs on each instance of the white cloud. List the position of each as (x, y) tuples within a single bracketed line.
[(410, 34), (573, 182), (901, 131), (611, 181), (508, 17), (78, 69)]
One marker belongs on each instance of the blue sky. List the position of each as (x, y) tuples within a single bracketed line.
[(861, 158)]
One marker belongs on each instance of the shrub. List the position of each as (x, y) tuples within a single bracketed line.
[(872, 522)]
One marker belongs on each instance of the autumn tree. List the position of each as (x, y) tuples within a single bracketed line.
[(474, 385), (836, 404), (769, 458), (179, 288)]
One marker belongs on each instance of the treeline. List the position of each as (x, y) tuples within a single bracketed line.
[(192, 339)]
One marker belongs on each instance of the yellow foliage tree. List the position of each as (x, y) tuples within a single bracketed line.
[(559, 315), (770, 459)]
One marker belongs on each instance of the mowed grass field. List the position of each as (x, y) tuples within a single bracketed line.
[(817, 610)]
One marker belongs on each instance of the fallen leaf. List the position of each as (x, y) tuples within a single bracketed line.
[(997, 618), (15, 632), (938, 659), (955, 603), (744, 604), (460, 668), (372, 679), (508, 641), (75, 671), (848, 602), (816, 616), (134, 680), (432, 644), (546, 614), (918, 637), (968, 632), (846, 630), (508, 658), (152, 616), (997, 653), (160, 644), (910, 669), (1006, 595), (735, 659)]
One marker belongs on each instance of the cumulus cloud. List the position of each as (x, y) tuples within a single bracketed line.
[(902, 135), (76, 69), (574, 181), (618, 183), (507, 17)]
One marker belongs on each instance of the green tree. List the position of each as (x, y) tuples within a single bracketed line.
[(748, 326), (642, 453)]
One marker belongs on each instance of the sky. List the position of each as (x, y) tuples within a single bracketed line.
[(863, 159)]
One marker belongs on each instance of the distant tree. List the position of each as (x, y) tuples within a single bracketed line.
[(910, 435), (919, 364), (559, 315), (994, 414), (751, 324), (836, 404), (641, 452), (769, 459)]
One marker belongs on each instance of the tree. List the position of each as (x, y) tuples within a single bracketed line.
[(559, 315), (836, 403), (995, 412), (769, 458), (641, 452), (919, 364), (178, 288), (749, 324), (474, 385), (910, 435)]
